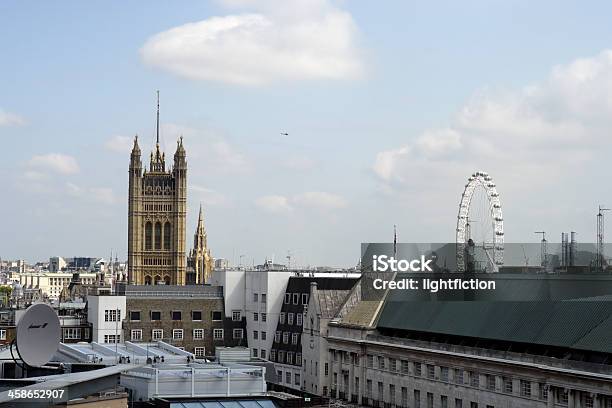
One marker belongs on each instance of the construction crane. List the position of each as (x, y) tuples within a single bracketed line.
[(543, 249), (601, 262)]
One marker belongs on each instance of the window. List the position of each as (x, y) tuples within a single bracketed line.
[(148, 236), (474, 379), (158, 235), (369, 388), (290, 357), (111, 338), (287, 298), (198, 334), (297, 379), (255, 335), (217, 316), (507, 385), (218, 334), (286, 337), (112, 315), (458, 403), (417, 369), (167, 235), (177, 315), (237, 333), (299, 319), (255, 297), (177, 334), (277, 337), (392, 394), (404, 397), (254, 352), (380, 390), (392, 364), (264, 335), (443, 401), (458, 376), (135, 315), (431, 371), (404, 366), (298, 359), (273, 355), (281, 318), (136, 335), (263, 317), (290, 318), (288, 377), (281, 356), (263, 298), (70, 333), (473, 404), (429, 400), (294, 338), (262, 353), (296, 298), (417, 399), (370, 360), (490, 382), (196, 315), (444, 374), (326, 369), (255, 316), (236, 315), (304, 298), (279, 373), (381, 362), (525, 388), (200, 352), (157, 334)]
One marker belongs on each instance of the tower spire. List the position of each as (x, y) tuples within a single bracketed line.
[(157, 127)]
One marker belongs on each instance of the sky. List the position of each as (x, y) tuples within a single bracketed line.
[(389, 107)]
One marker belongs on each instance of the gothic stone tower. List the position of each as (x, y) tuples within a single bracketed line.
[(200, 262), (157, 208)]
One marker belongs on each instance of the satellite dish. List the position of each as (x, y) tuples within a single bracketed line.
[(38, 335)]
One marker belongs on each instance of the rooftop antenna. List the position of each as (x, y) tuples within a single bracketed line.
[(600, 238), (288, 259), (543, 249), (394, 241), (157, 127)]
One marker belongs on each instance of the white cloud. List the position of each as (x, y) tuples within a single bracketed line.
[(317, 200), (120, 144), (11, 119), (320, 200), (565, 118), (209, 196), (274, 204), (99, 195), (55, 162), (272, 41)]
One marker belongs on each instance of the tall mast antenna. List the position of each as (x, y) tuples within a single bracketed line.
[(157, 127)]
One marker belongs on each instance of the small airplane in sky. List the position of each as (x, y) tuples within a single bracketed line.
[(284, 134)]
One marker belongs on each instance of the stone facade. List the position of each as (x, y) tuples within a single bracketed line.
[(157, 207), (379, 371), (193, 321)]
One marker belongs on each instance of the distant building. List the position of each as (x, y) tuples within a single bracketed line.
[(105, 313), (287, 347), (222, 263), (51, 284), (188, 317)]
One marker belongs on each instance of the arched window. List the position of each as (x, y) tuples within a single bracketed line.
[(167, 279), (158, 280), (167, 235), (158, 235), (148, 280), (148, 236)]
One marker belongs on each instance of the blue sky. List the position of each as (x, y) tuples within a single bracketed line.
[(389, 107)]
